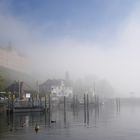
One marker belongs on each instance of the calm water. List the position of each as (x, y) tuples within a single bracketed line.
[(105, 123)]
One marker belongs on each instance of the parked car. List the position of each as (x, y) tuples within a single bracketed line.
[(1, 98)]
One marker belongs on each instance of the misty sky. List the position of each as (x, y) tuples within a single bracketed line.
[(96, 37)]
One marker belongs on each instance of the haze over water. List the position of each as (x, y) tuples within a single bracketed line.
[(107, 122)]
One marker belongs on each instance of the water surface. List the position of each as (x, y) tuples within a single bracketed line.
[(105, 123)]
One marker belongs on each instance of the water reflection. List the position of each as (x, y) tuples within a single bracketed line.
[(102, 122), (59, 118)]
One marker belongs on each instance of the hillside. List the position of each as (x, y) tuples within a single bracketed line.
[(9, 76)]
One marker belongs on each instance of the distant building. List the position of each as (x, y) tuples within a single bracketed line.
[(12, 59), (57, 88), (19, 89)]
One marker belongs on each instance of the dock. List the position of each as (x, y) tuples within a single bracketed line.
[(26, 109)]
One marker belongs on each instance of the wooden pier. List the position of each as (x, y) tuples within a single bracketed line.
[(26, 109)]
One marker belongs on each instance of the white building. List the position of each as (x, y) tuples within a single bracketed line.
[(57, 88), (61, 90)]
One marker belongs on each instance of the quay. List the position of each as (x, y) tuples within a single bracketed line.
[(24, 106), (26, 109)]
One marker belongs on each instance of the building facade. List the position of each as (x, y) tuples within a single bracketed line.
[(57, 88)]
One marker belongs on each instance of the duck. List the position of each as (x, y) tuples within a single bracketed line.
[(36, 128), (53, 121)]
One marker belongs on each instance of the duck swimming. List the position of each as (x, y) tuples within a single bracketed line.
[(53, 121), (36, 128)]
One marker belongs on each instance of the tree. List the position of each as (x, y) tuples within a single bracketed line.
[(2, 83)]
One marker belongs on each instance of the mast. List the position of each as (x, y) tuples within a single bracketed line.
[(19, 88)]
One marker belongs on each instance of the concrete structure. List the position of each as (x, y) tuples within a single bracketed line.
[(10, 58)]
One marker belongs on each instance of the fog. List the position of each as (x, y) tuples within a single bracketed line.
[(112, 57)]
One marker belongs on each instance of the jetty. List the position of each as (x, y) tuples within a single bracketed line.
[(25, 109), (24, 106)]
